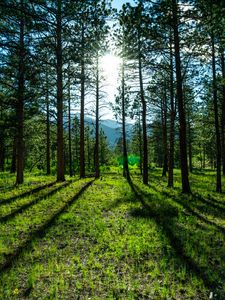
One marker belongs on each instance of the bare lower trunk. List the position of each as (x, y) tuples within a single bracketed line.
[(172, 121), (164, 134), (13, 162), (82, 152), (69, 131), (216, 116), (182, 119), (223, 111), (48, 158), (144, 123), (126, 172), (140, 144), (60, 141), (20, 104), (97, 169), (189, 142)]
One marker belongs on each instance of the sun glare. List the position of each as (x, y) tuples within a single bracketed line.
[(110, 69), (110, 65)]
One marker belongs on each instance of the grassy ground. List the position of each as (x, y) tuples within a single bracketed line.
[(107, 239)]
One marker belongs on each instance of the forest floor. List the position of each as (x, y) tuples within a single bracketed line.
[(107, 239)]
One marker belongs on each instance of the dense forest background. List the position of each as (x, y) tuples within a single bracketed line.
[(172, 85)]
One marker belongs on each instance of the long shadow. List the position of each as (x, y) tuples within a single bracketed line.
[(193, 212), (163, 218), (188, 207), (28, 193), (215, 206), (40, 231), (32, 202), (213, 200)]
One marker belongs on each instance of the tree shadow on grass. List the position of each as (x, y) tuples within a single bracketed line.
[(27, 193), (192, 203), (40, 231), (166, 217), (35, 200)]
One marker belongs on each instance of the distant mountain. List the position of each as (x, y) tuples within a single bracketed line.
[(111, 128), (110, 123), (112, 133)]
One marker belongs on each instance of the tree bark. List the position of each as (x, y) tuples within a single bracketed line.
[(140, 143), (2, 153), (216, 119), (13, 162), (97, 169), (144, 113), (20, 103), (189, 141), (2, 146), (82, 152), (48, 157), (126, 172), (223, 110), (60, 141), (69, 130), (182, 119), (164, 133), (172, 121)]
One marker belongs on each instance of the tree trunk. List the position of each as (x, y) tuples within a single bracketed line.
[(20, 103), (97, 169), (126, 172), (77, 142), (203, 156), (88, 148), (60, 141), (2, 153), (172, 120), (182, 120), (2, 146), (69, 131), (164, 133), (144, 123), (13, 162), (223, 110), (48, 158), (189, 141), (140, 143), (216, 118), (82, 152)]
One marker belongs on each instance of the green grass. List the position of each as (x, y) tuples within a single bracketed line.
[(115, 241)]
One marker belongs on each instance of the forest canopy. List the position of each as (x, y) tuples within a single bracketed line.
[(171, 84)]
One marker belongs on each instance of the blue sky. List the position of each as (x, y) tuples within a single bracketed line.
[(118, 3)]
